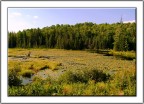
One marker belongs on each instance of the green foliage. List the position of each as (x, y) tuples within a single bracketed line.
[(39, 87), (120, 37), (84, 76), (97, 75), (120, 84), (13, 77), (72, 77), (125, 40)]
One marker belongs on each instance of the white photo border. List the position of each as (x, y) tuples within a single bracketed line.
[(96, 99)]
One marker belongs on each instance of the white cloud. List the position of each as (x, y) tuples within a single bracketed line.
[(15, 14), (132, 21), (18, 21), (18, 25), (35, 17), (28, 16)]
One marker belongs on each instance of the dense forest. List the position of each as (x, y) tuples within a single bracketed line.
[(88, 35)]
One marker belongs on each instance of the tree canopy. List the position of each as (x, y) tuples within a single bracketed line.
[(88, 35)]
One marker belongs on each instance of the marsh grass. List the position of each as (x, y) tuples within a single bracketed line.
[(51, 87), (129, 55), (35, 64), (27, 69), (74, 73), (118, 85), (27, 73)]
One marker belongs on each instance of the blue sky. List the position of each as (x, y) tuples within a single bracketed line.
[(24, 18)]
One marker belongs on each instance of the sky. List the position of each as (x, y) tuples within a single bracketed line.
[(26, 18)]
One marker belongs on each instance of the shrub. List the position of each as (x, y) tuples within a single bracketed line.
[(72, 77), (97, 75), (39, 87), (83, 76), (13, 78), (126, 81)]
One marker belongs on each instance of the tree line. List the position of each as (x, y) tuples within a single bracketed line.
[(88, 35)]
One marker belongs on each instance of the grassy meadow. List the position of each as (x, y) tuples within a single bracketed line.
[(59, 72)]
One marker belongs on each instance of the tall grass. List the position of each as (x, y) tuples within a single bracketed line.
[(27, 73), (80, 84), (72, 73), (129, 55), (126, 55)]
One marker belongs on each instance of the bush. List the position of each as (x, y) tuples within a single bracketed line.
[(97, 75), (13, 78), (126, 81), (39, 87), (83, 76), (72, 77)]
